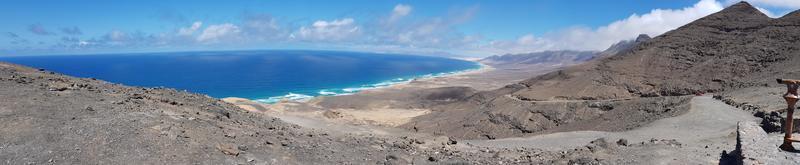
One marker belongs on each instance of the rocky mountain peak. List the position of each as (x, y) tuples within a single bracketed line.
[(739, 12), (743, 7), (739, 16), (642, 38)]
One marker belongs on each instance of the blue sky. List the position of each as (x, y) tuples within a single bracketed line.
[(465, 28)]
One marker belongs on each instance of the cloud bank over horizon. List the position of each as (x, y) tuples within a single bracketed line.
[(396, 30), (654, 23)]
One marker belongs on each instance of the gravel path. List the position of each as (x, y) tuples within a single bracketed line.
[(708, 123)]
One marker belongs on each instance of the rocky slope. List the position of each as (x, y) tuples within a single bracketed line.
[(49, 118), (736, 48), (730, 49), (623, 46), (765, 100)]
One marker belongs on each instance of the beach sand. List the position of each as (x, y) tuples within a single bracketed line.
[(392, 105)]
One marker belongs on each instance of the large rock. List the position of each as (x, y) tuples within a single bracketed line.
[(754, 145)]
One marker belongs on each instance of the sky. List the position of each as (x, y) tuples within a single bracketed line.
[(465, 28)]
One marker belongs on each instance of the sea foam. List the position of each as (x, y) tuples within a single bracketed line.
[(354, 90)]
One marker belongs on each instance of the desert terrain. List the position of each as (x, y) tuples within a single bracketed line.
[(700, 94)]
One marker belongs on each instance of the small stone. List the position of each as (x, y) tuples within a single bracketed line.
[(228, 149), (432, 159), (451, 141), (332, 114), (58, 89), (242, 147), (624, 142)]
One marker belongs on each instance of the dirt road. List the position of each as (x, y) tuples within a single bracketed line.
[(704, 132)]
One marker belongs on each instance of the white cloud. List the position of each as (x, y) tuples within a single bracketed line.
[(430, 33), (117, 36), (654, 23), (336, 30), (188, 31), (418, 34), (767, 12), (262, 27), (215, 33), (400, 11)]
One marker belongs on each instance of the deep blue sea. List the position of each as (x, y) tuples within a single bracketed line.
[(265, 76)]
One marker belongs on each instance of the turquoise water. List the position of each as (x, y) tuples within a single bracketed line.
[(265, 76)]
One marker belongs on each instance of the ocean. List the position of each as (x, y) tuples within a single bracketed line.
[(264, 76)]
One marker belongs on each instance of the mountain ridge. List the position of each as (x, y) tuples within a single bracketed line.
[(562, 57), (735, 48)]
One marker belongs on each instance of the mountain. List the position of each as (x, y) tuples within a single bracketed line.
[(623, 46), (725, 50), (564, 57), (735, 48)]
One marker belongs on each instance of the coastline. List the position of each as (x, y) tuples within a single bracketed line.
[(388, 84), (310, 113), (419, 82)]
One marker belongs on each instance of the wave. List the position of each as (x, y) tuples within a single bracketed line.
[(290, 97), (325, 92), (356, 89)]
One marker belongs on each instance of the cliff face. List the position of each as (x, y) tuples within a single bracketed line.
[(735, 48)]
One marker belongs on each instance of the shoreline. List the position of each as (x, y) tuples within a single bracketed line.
[(388, 84), (482, 69)]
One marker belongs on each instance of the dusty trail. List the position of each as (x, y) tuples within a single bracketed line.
[(709, 122)]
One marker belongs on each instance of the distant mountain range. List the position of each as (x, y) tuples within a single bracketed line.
[(561, 57)]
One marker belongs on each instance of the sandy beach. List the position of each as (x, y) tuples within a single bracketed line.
[(389, 106)]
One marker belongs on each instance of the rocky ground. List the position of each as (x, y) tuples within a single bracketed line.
[(49, 118), (637, 106), (700, 136)]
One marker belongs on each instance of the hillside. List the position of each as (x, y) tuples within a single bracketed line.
[(730, 49), (49, 118), (735, 48)]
